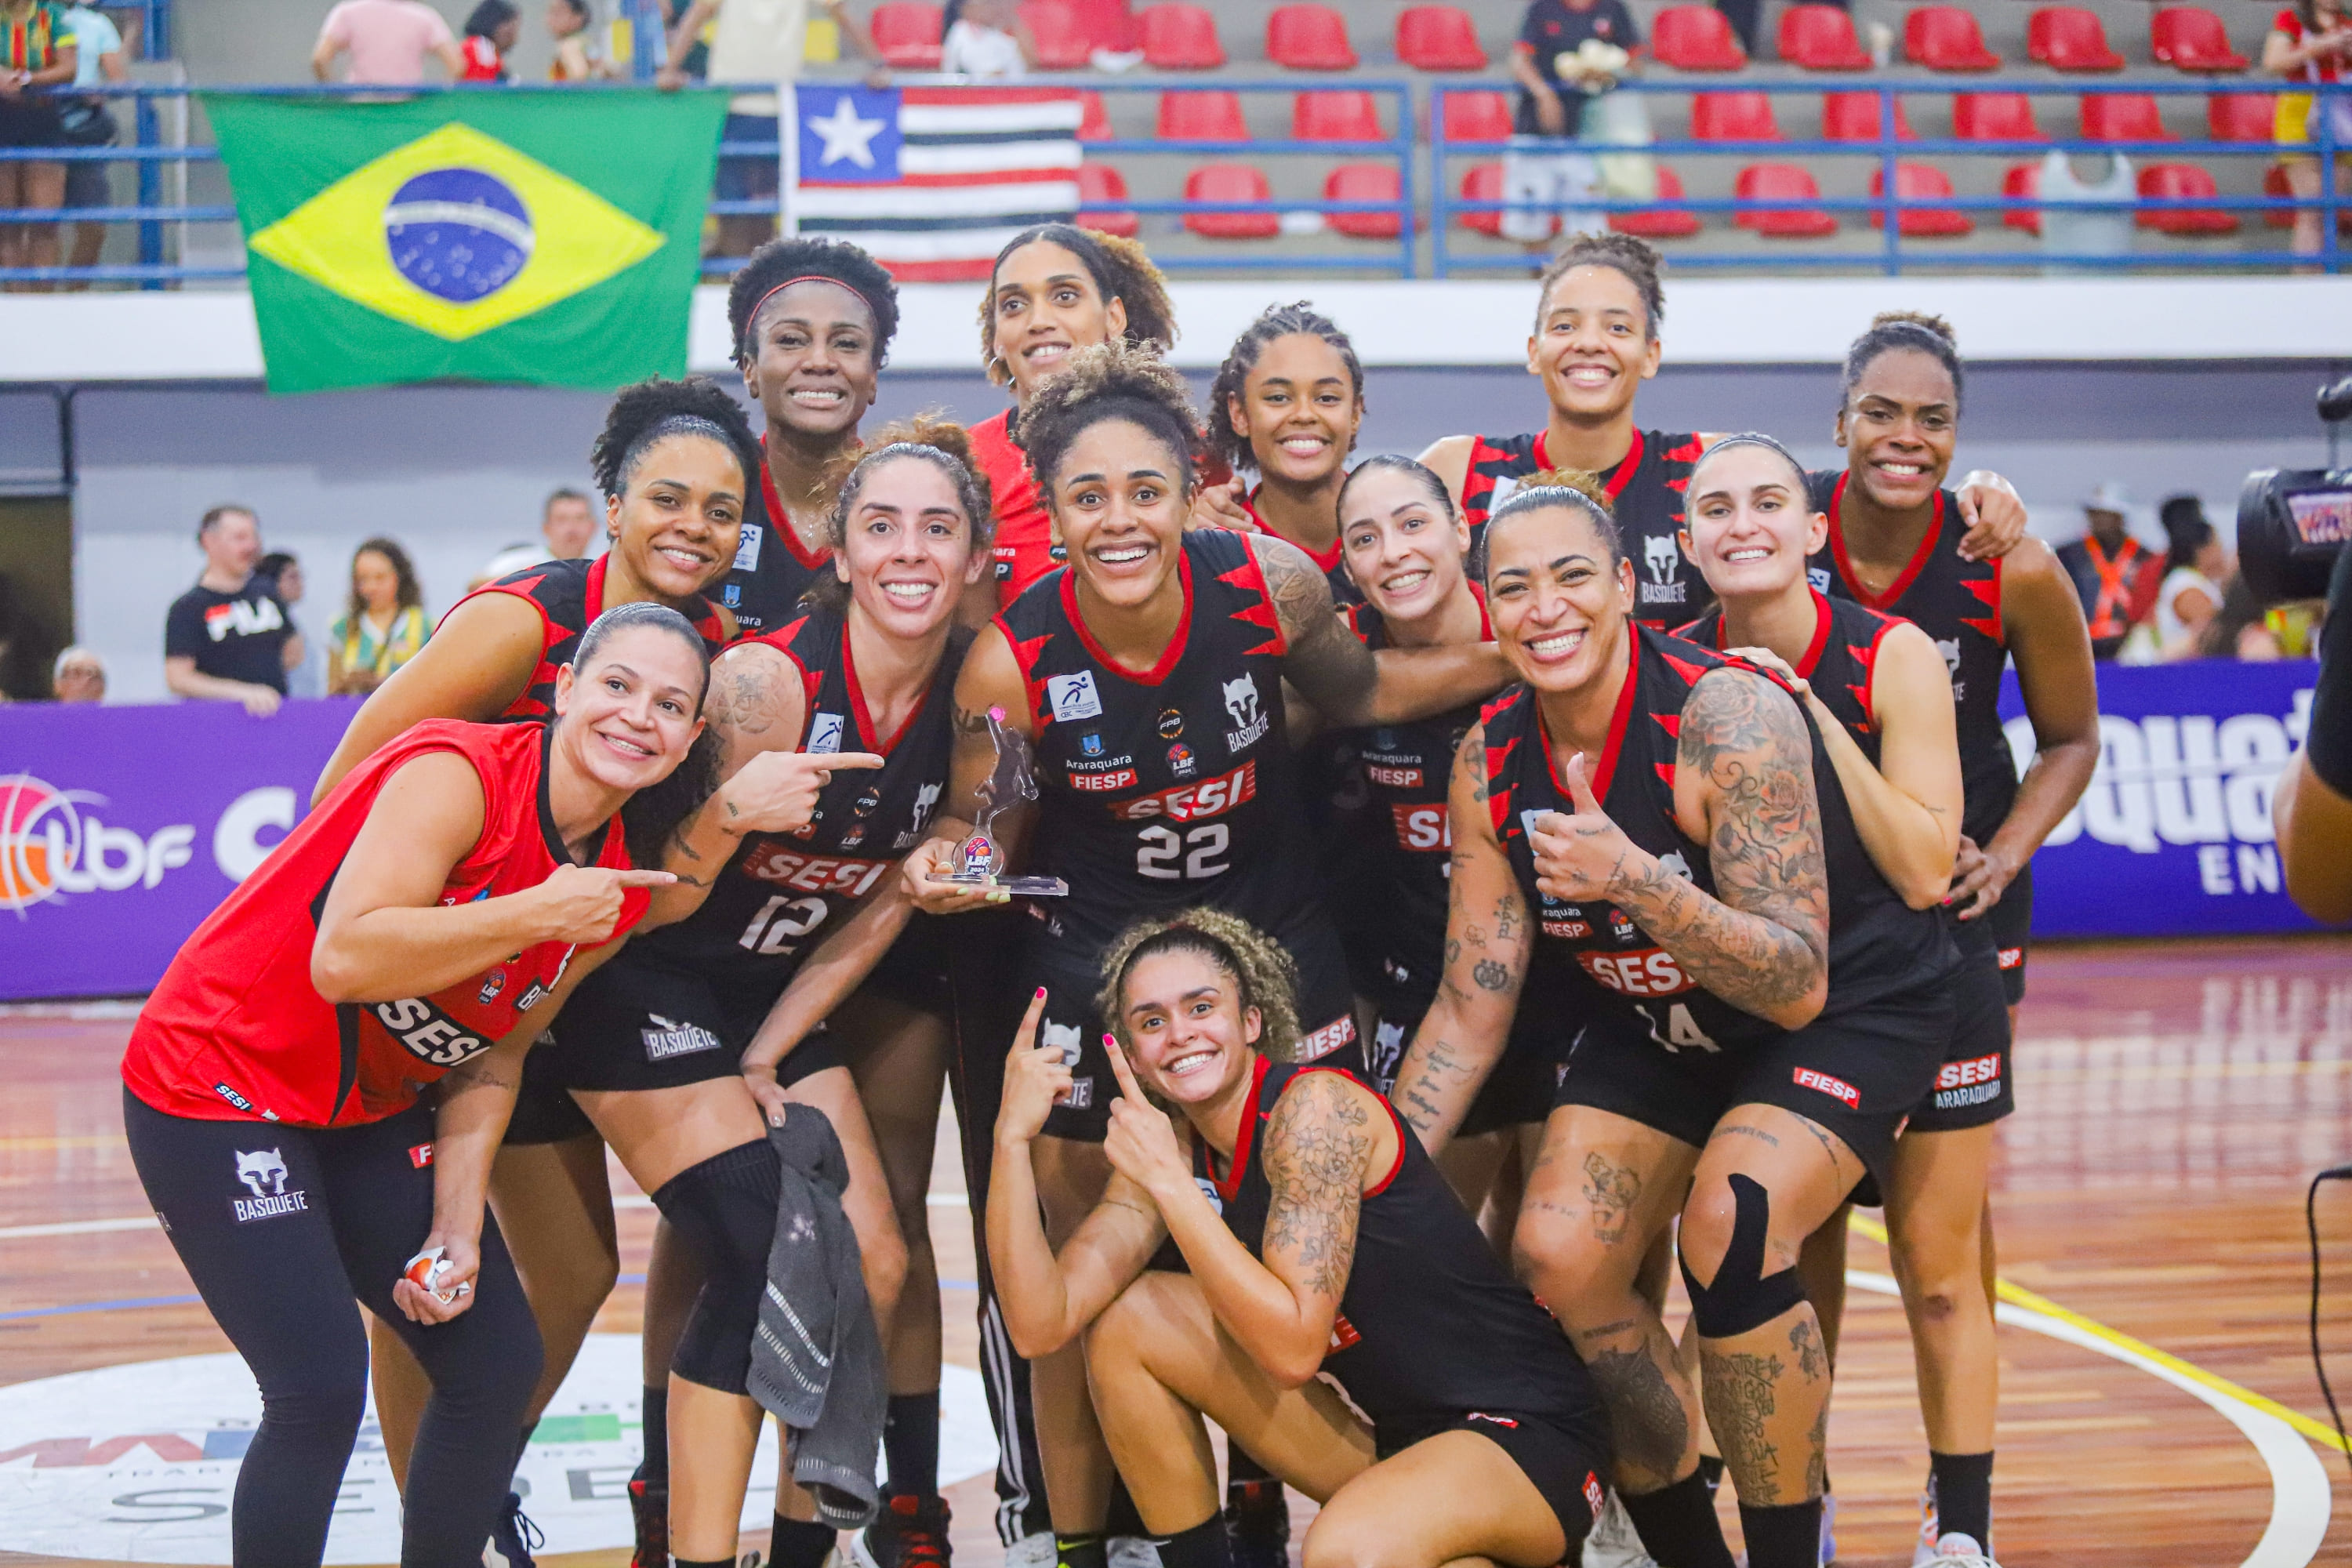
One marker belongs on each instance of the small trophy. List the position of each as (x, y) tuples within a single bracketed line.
[(980, 859)]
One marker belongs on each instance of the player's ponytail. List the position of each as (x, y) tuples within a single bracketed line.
[(1264, 974), (1547, 490)]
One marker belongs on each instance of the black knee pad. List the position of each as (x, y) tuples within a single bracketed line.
[(726, 1209), (1743, 1295)]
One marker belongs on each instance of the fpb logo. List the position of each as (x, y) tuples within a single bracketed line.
[(53, 843)]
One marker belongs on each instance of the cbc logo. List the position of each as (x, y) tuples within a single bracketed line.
[(54, 842)]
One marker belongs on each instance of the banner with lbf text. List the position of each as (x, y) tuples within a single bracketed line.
[(2173, 837), (120, 828)]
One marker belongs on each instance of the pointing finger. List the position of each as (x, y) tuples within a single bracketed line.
[(1027, 1038), (840, 759), (644, 879), (1122, 1070)]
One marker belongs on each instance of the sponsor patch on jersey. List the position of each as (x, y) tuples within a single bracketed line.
[(1819, 577), (232, 1096), (1082, 1094), (1976, 1070), (825, 734), (1209, 1191), (1664, 593), (1387, 1053), (1074, 697), (1064, 1037), (1569, 931), (491, 987), (420, 1156), (264, 1173), (1172, 723), (1595, 1498), (845, 875), (1343, 1334), (1837, 1089), (530, 998), (1103, 783), (1090, 745), (1391, 777), (428, 1033), (1422, 828), (2012, 957), (666, 1038), (1646, 971), (1192, 803), (1180, 760), (747, 548), (1492, 1420), (1250, 721), (1340, 1031), (854, 837)]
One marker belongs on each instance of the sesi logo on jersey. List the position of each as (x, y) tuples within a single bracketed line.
[(815, 873), (428, 1032), (1192, 803), (1650, 971), (1074, 697), (1423, 828)]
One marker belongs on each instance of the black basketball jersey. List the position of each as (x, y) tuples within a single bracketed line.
[(1645, 495), (568, 594), (1175, 786), (1956, 602), (1878, 945), (1432, 1326), (772, 568), (782, 893), (1331, 561), (1838, 664)]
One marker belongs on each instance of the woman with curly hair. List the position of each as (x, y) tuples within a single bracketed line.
[(1149, 677), (1319, 1242)]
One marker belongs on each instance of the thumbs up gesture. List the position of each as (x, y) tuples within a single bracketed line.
[(1583, 855)]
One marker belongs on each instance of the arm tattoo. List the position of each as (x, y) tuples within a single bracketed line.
[(1764, 940), (1317, 1144), (1329, 665), (744, 704)]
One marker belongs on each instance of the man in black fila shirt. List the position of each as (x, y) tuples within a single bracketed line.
[(228, 639)]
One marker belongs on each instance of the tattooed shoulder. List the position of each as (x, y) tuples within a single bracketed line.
[(1319, 1145), (752, 694)]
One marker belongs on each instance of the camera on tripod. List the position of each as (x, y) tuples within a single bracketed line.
[(2292, 522)]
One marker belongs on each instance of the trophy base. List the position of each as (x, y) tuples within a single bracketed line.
[(1025, 887)]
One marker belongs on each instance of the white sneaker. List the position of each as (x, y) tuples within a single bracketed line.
[(1957, 1550), (1923, 1547), (1829, 1529), (1031, 1551), (1133, 1551), (1613, 1543)]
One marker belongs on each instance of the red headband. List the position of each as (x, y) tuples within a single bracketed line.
[(804, 277)]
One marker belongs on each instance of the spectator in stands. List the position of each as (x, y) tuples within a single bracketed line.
[(491, 32), (2115, 575), (2310, 42), (1568, 51), (37, 50), (382, 626), (280, 570), (387, 40), (578, 55), (1745, 15), (988, 40), (79, 676), (228, 639), (2189, 595), (89, 122), (2240, 628), (567, 527)]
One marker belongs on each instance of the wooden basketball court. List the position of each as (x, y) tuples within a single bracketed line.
[(2159, 1404)]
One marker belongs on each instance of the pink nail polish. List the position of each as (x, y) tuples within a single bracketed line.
[(1040, 995)]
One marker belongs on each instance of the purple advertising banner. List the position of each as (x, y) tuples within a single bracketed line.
[(120, 828)]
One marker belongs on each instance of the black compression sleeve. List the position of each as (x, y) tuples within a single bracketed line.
[(2330, 748)]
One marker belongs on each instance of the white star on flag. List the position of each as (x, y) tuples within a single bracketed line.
[(846, 134)]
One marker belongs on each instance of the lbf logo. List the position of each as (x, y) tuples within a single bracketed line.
[(50, 846)]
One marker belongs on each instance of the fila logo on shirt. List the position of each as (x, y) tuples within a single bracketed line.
[(244, 617), (1074, 697), (1250, 724), (264, 1172)]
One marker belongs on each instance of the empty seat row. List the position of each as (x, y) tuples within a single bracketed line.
[(1943, 38), (1855, 116), (1102, 188)]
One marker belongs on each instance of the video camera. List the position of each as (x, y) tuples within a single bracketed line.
[(2293, 523)]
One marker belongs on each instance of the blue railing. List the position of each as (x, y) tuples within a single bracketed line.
[(1447, 212)]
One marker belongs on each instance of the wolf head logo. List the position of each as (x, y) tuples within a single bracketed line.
[(1241, 701), (263, 1171), (1951, 648), (925, 798), (1065, 1038), (1671, 861), (1662, 555)]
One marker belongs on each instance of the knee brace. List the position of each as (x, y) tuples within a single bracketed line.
[(1743, 1295), (726, 1209)]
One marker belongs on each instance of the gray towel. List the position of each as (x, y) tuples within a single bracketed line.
[(816, 1358)]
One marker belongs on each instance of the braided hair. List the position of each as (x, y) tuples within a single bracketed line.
[(654, 410), (1121, 270), (1103, 382), (1225, 440), (1635, 259), (928, 437), (782, 261), (1265, 976), (1573, 490), (1893, 330)]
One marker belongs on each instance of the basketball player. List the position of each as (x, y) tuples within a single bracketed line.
[(1317, 1238), (418, 923), (1598, 309), (1760, 1011), (1149, 675), (812, 321)]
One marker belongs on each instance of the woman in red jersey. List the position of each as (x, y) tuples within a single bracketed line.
[(418, 927)]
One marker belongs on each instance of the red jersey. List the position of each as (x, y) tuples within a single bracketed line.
[(1024, 545), (235, 1031), (481, 60)]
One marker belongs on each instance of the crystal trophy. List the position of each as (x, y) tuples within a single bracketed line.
[(979, 858)]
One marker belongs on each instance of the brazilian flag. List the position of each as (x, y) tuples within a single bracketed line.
[(549, 237)]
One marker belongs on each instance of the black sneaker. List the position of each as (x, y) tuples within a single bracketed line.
[(1258, 1524), (909, 1532), (513, 1539), (649, 1507)]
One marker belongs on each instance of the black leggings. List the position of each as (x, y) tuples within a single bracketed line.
[(283, 1228)]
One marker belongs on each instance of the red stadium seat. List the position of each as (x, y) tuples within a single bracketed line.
[(1662, 224), (1994, 117), (1912, 182), (2192, 39), (1062, 42), (1821, 38), (1093, 119), (1308, 39), (2024, 180), (1483, 183), (907, 33), (2183, 180), (1438, 39), (1181, 38), (2068, 38), (1107, 24), (1363, 183), (2123, 117), (2275, 185), (1230, 182), (1946, 38), (1099, 182), (1695, 39), (2240, 116), (1334, 117), (1785, 182), (1733, 117), (1853, 117), (1477, 117), (1209, 115)]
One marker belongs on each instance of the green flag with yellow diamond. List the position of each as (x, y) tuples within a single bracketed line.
[(528, 236)]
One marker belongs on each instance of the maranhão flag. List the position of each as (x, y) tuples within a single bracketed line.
[(931, 181), (515, 236)]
